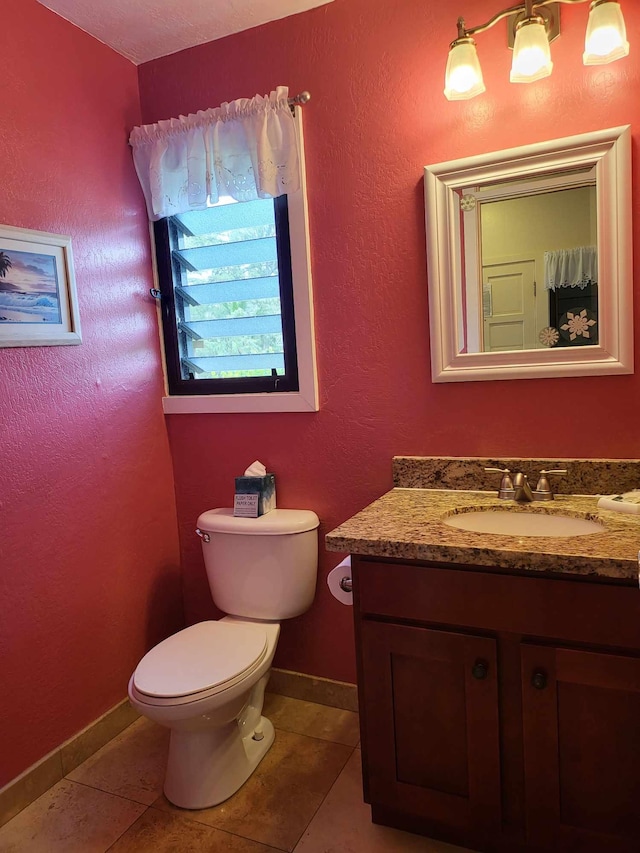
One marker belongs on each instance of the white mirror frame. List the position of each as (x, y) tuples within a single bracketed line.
[(610, 152)]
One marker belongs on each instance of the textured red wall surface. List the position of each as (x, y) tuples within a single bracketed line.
[(89, 557), (375, 71)]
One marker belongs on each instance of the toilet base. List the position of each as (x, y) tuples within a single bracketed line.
[(208, 766)]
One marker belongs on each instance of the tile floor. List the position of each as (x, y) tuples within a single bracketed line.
[(305, 797)]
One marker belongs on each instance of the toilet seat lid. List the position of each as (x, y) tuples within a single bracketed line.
[(202, 657)]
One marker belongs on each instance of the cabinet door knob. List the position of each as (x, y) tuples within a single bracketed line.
[(480, 670), (539, 680)]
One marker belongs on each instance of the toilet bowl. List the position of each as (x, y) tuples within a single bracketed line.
[(206, 683)]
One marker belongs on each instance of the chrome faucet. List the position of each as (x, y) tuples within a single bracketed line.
[(516, 487), (521, 488)]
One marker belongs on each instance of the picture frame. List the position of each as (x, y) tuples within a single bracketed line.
[(38, 298)]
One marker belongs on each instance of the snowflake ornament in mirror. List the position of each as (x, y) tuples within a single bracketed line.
[(468, 202), (579, 326), (549, 336)]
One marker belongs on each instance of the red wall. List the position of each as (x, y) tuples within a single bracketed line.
[(377, 116), (89, 558)]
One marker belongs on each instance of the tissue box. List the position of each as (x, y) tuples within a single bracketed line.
[(255, 496)]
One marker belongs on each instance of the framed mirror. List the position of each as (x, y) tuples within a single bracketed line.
[(529, 255)]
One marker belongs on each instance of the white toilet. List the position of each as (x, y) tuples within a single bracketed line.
[(207, 682)]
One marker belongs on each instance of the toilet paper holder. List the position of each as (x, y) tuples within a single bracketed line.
[(339, 582), (346, 584)]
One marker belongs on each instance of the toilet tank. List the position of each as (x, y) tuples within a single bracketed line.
[(261, 568)]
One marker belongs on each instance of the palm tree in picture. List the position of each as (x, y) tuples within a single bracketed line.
[(5, 264)]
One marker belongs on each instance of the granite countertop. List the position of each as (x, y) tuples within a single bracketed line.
[(407, 523)]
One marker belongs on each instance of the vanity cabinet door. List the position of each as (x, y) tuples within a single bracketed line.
[(432, 739), (581, 750)]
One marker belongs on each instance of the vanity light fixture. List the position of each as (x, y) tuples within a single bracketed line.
[(533, 25), (531, 51)]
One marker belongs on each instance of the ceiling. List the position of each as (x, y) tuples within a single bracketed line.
[(146, 29)]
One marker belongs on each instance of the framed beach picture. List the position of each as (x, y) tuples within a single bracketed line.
[(38, 301)]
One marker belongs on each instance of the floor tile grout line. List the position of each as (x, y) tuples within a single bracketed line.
[(314, 737), (182, 815), (102, 791), (110, 847), (349, 757)]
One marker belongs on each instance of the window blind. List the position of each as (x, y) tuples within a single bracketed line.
[(227, 291)]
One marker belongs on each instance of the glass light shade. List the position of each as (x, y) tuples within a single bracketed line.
[(463, 78), (531, 53), (606, 38)]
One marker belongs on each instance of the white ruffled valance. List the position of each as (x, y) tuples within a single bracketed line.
[(571, 267), (246, 149)]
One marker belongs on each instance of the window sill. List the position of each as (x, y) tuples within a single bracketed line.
[(237, 403)]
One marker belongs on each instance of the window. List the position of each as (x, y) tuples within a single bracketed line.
[(236, 306), (225, 279)]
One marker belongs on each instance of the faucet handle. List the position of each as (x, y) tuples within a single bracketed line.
[(506, 490), (543, 489)]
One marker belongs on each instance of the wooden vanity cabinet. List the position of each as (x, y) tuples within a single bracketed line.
[(500, 712), (581, 715), (432, 727)]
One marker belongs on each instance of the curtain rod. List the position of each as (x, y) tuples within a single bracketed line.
[(300, 100)]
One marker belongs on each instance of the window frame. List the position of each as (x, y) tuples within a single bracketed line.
[(298, 317), (166, 237)]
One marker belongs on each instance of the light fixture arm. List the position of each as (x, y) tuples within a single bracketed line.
[(464, 32), (528, 7)]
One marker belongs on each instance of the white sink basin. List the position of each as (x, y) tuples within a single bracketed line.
[(505, 523)]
